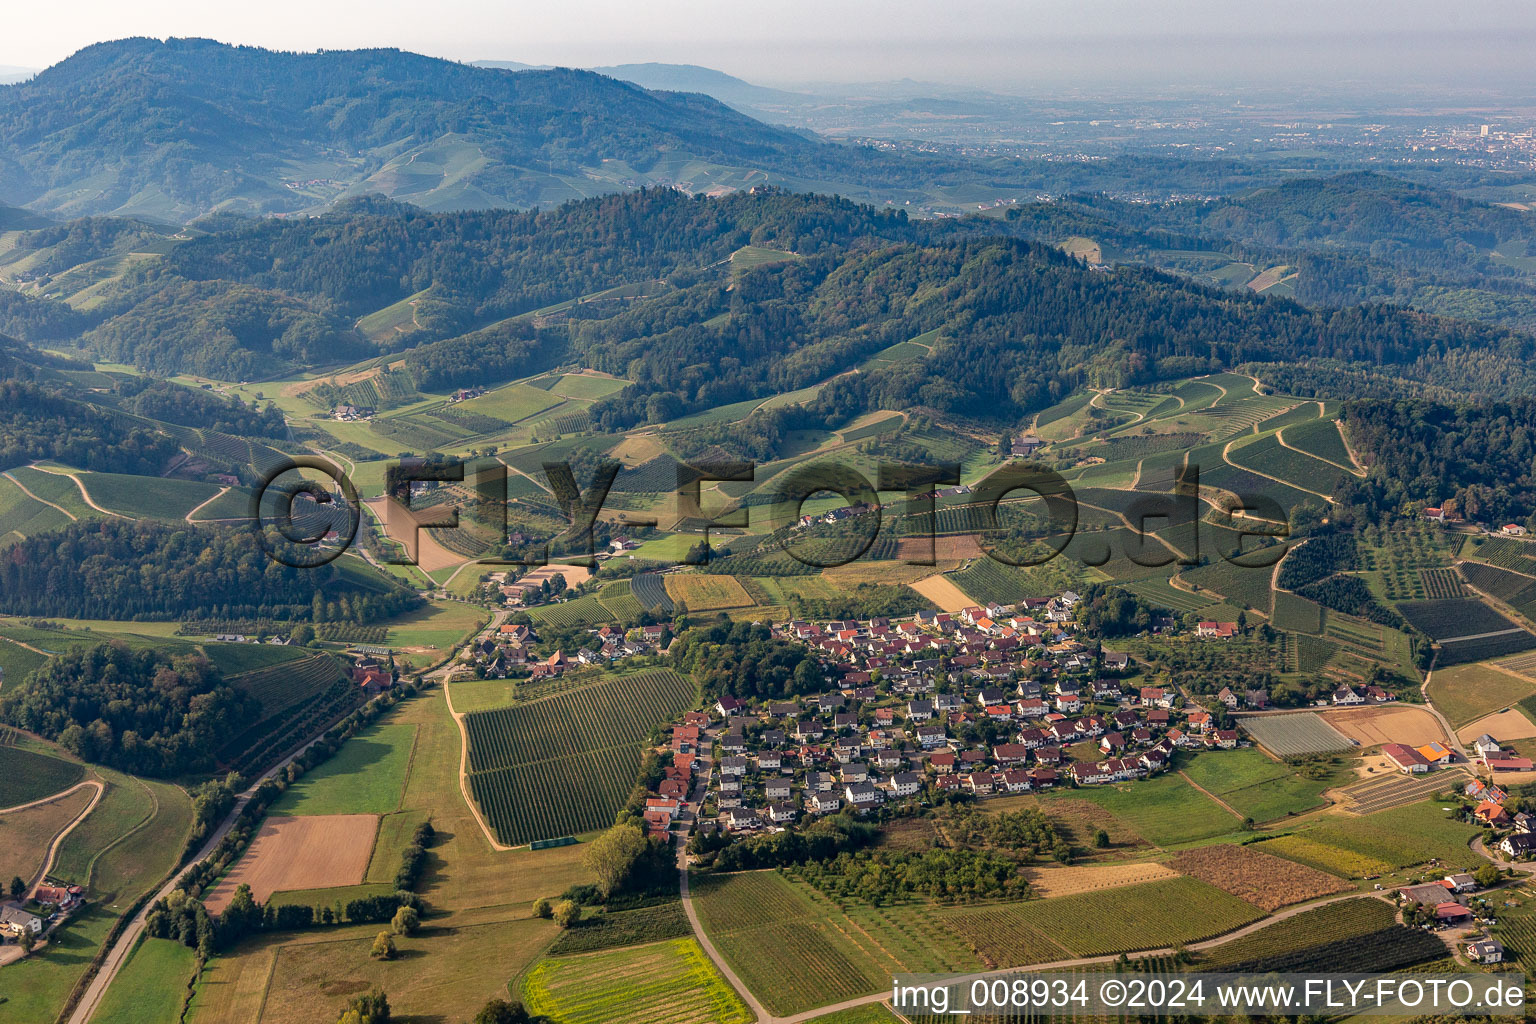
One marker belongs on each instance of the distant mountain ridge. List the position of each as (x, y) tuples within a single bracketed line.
[(178, 128)]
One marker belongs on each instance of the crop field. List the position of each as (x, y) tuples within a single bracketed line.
[(1227, 476), (1294, 735), (619, 599), (564, 765), (1297, 614), (1164, 810), (587, 386), (1371, 725), (25, 835), (1380, 842), (147, 497), (1242, 586), (1162, 594), (703, 593), (150, 987), (56, 488), (779, 943), (781, 590), (1267, 882), (1368, 641), (671, 980), (1387, 791), (1455, 618), (1147, 916), (311, 852), (1321, 438), (987, 580), (512, 403), (1465, 693), (1517, 930), (874, 428), (366, 776), (26, 776), (1511, 587), (612, 929), (22, 516), (1076, 878)]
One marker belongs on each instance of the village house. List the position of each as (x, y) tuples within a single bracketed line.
[(1486, 951), (15, 922)]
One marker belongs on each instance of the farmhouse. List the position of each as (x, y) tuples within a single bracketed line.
[(1405, 758), (14, 922), (1452, 913)]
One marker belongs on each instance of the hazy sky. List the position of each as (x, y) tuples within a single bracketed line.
[(997, 43)]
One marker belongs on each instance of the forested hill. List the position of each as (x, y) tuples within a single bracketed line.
[(1012, 326), (266, 131), (1349, 238), (1015, 324)]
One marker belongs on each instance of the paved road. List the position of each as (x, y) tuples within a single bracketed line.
[(1445, 723), (118, 954), (441, 674)]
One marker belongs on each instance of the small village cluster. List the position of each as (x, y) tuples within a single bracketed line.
[(510, 651), (992, 700), (1448, 903)]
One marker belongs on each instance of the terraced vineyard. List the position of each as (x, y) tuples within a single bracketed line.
[(1270, 458), (670, 980), (1518, 555), (1320, 438), (1513, 588), (1360, 932), (650, 589), (565, 764), (987, 580), (1146, 916)]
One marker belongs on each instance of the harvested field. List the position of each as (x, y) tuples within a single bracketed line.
[(1370, 726), (1508, 724), (25, 835), (700, 593), (1090, 877), (1267, 882), (320, 851), (956, 547), (419, 543), (1290, 735), (945, 595)]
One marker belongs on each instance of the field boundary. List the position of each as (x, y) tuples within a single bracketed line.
[(458, 719)]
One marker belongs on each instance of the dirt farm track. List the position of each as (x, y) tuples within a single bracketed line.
[(318, 851)]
